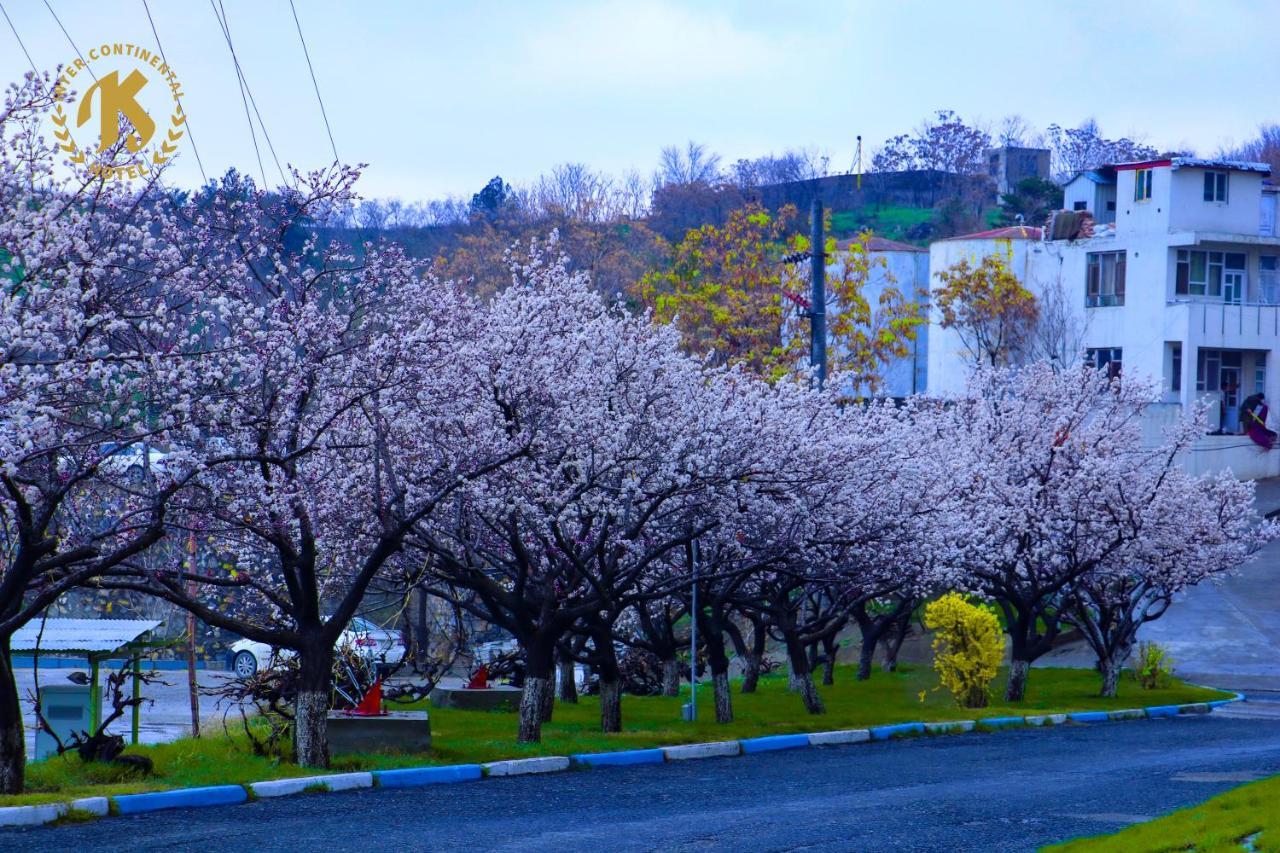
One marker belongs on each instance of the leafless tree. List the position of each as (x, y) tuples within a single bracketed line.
[(692, 164), (1058, 336)]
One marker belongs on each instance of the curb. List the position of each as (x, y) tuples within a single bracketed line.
[(773, 743), (413, 777), (416, 777), (183, 798), (690, 751), (299, 785), (627, 758), (526, 766)]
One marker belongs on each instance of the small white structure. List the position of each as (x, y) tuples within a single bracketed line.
[(906, 268), (1183, 287)]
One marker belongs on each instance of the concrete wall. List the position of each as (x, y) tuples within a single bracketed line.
[(909, 273), (1239, 214)]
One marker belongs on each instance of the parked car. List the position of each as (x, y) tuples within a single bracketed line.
[(381, 646), (132, 460)]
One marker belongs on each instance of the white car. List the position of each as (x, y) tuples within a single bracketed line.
[(247, 657)]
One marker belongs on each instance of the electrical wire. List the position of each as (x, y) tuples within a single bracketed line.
[(70, 41), (186, 118), (253, 136), (323, 113), (226, 29), (34, 70)]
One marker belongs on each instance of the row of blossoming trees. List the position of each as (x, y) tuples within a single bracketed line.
[(550, 462)]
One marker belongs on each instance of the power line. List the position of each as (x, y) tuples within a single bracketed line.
[(307, 54), (185, 118), (70, 41), (246, 90), (25, 52)]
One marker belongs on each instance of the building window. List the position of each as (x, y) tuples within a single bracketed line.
[(1108, 358), (1175, 374), (1269, 279), (1141, 184), (1215, 186), (1080, 205), (1105, 283), (1200, 273), (1111, 207), (1260, 372), (1218, 370)]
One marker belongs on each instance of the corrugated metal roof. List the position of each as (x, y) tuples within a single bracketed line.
[(881, 244), (80, 635)]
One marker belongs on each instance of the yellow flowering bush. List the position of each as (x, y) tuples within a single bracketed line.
[(967, 647)]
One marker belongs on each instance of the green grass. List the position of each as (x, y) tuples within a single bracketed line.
[(892, 222), (479, 736), (1249, 812)]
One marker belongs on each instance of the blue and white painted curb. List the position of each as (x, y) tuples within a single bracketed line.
[(413, 777)]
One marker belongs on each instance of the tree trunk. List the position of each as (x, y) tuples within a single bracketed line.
[(865, 657), (829, 647), (893, 644), (531, 703), (793, 678), (311, 706), (754, 658), (1016, 689), (671, 677), (548, 701), (610, 706), (724, 697), (804, 678), (1111, 667), (568, 681), (13, 753), (750, 673)]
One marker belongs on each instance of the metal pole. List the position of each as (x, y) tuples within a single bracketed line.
[(818, 296), (192, 685), (137, 696), (693, 636)]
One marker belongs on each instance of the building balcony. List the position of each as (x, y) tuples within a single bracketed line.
[(1243, 325)]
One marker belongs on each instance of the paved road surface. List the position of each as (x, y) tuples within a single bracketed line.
[(1013, 790)]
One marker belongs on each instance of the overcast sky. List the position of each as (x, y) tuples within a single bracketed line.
[(438, 97)]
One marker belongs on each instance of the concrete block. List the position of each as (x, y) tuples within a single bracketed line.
[(625, 758), (32, 815), (476, 699), (184, 798), (333, 782), (1088, 717), (899, 730), (98, 806), (687, 751), (415, 777), (527, 766), (1046, 720), (1002, 722), (950, 727), (397, 731), (840, 737), (772, 743)]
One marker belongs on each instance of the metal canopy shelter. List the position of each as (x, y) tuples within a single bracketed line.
[(98, 640)]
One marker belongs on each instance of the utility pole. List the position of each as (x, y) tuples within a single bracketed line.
[(818, 296), (693, 635)]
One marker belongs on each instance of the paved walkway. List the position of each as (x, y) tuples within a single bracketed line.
[(1224, 634)]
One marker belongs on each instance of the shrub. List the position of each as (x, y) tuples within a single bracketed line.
[(1155, 667), (967, 647)]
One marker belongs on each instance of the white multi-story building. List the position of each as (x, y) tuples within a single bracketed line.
[(1179, 282)]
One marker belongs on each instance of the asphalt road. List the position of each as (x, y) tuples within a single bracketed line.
[(1012, 790)]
